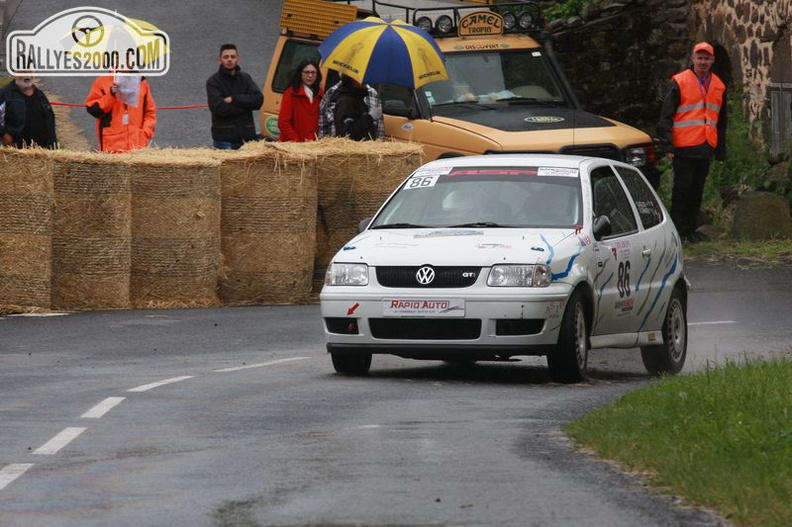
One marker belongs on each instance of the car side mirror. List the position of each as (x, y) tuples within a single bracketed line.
[(364, 223), (602, 227), (396, 107)]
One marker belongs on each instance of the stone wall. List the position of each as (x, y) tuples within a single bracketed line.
[(620, 54)]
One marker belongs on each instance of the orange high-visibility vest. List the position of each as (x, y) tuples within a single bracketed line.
[(696, 118)]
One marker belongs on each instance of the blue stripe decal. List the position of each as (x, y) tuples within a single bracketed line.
[(556, 276), (550, 250), (660, 291)]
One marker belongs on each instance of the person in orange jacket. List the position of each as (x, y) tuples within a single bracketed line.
[(125, 112)]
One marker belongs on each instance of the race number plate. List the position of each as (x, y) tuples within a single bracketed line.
[(394, 307)]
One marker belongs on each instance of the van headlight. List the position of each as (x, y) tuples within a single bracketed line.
[(346, 274), (519, 276)]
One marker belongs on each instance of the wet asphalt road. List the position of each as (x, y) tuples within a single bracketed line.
[(233, 416)]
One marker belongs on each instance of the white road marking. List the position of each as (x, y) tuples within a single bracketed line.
[(102, 408), (261, 364), (147, 387), (713, 323), (11, 472), (66, 436)]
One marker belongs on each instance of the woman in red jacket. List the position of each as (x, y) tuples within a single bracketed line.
[(298, 118)]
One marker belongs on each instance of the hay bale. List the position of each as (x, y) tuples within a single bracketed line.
[(26, 195), (92, 232), (354, 179), (176, 258), (268, 225)]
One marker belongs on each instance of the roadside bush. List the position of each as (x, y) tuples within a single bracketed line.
[(566, 9)]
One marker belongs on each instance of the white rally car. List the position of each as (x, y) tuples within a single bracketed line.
[(483, 258)]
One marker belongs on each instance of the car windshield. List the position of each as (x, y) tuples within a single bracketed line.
[(486, 197), (516, 77)]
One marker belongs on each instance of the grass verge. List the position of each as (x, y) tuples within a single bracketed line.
[(742, 253), (721, 439)]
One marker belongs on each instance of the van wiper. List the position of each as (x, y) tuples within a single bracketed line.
[(525, 101), (400, 226), (465, 103)]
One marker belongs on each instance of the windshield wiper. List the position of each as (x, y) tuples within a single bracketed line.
[(465, 103), (482, 224), (399, 226), (519, 101)]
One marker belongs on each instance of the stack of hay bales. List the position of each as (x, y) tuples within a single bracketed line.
[(176, 256), (25, 229), (354, 179), (185, 227), (267, 224), (92, 231)]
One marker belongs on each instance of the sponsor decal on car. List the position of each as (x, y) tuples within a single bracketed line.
[(423, 307)]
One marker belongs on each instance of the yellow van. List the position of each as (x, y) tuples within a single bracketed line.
[(505, 93)]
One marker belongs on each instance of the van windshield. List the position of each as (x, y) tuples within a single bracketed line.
[(490, 77)]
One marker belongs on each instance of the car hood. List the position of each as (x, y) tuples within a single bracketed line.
[(518, 116), (461, 247)]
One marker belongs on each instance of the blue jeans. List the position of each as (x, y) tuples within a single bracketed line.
[(226, 145)]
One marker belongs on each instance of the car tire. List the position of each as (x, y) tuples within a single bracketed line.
[(347, 363), (568, 362), (669, 357)]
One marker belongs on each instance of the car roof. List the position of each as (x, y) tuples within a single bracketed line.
[(512, 160)]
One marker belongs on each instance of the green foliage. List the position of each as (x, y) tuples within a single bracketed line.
[(746, 163), (721, 438), (566, 9)]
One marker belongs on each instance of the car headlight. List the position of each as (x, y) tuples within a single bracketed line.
[(519, 276), (346, 274)]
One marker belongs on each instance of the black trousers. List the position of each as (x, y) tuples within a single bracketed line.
[(690, 174)]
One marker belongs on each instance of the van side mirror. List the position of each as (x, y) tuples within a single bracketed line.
[(601, 227)]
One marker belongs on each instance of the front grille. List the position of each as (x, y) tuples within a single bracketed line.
[(607, 151), (445, 277), (425, 328)]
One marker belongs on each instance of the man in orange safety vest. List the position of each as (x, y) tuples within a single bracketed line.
[(692, 130)]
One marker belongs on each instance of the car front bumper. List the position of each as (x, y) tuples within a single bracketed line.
[(512, 322)]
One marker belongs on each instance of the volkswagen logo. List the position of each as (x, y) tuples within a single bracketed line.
[(425, 275)]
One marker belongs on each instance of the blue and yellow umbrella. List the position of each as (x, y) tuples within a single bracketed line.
[(374, 51)]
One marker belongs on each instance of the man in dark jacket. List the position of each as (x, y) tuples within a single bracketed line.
[(233, 96), (29, 119)]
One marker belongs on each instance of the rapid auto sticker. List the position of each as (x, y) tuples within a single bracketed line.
[(396, 307)]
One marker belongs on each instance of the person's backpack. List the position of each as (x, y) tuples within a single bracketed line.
[(352, 119), (361, 128)]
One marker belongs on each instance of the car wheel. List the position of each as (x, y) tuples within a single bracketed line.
[(669, 357), (347, 363), (568, 362)]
